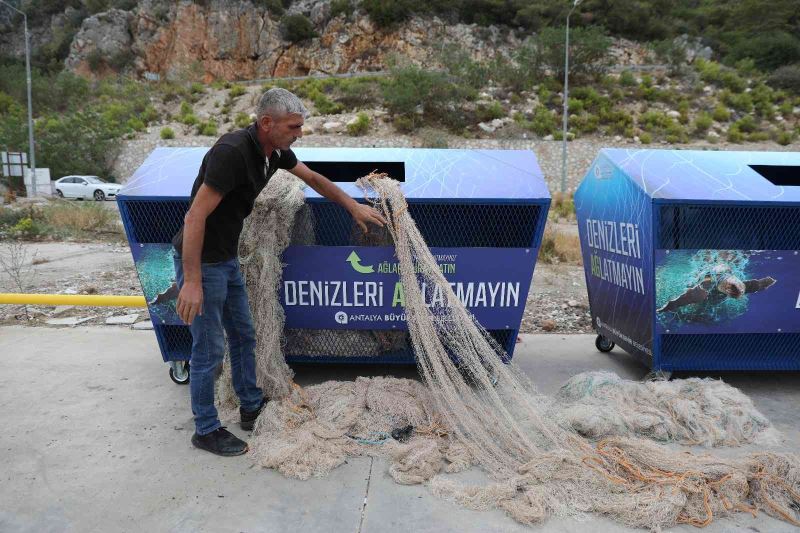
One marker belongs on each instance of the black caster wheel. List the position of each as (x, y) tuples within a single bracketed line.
[(603, 344), (179, 372)]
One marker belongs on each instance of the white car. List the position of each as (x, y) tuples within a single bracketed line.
[(86, 187)]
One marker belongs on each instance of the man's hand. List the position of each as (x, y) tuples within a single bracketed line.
[(364, 214), (190, 302), (361, 213)]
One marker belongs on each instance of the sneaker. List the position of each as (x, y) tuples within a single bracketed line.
[(221, 442), (249, 417)]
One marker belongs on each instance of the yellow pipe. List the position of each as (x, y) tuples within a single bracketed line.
[(88, 300)]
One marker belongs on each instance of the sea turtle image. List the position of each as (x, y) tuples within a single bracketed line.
[(171, 293), (717, 281)]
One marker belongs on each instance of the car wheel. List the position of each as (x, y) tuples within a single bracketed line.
[(99, 196), (59, 193)]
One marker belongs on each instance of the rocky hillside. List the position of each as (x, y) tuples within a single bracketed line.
[(239, 40)]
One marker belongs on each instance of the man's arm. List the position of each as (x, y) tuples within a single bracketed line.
[(361, 213), (190, 299)]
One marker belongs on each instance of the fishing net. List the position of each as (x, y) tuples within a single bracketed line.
[(473, 407)]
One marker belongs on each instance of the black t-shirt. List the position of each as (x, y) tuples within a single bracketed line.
[(236, 167)]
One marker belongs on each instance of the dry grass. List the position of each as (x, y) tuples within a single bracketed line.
[(562, 207), (560, 247), (79, 216)]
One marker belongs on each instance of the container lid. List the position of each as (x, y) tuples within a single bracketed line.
[(427, 174), (711, 175)]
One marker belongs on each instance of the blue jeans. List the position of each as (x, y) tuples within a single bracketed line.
[(225, 308)]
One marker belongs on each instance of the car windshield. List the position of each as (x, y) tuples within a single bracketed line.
[(93, 179)]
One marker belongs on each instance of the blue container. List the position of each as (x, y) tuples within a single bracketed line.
[(692, 258), (481, 211)]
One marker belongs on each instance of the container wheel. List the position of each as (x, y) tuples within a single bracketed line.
[(603, 344), (179, 372)]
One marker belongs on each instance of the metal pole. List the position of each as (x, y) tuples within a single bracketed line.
[(565, 112), (32, 154), (566, 104), (30, 106)]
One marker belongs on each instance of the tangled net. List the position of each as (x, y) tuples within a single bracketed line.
[(474, 408)]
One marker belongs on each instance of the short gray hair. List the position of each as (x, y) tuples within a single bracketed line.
[(277, 102)]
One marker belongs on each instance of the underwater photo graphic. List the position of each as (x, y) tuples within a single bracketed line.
[(725, 290), (156, 271)]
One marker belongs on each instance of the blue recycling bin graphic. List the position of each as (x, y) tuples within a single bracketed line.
[(482, 212), (692, 258)]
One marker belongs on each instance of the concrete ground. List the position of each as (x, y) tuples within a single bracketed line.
[(96, 438)]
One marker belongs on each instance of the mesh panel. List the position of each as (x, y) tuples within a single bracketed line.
[(153, 222), (334, 348), (450, 225), (176, 345), (729, 227), (756, 351), (175, 341)]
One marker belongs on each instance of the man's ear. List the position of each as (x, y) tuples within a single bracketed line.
[(266, 122)]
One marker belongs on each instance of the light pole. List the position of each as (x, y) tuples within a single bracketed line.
[(575, 4), (32, 160)]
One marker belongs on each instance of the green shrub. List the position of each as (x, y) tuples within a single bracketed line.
[(208, 128), (769, 50), (575, 106), (721, 113), (627, 79), (96, 60), (702, 122), (186, 108), (784, 137), (27, 228), (731, 80), (189, 119), (149, 114), (655, 121), (618, 121), (167, 133), (432, 138), (236, 91), (787, 77), (746, 124), (342, 7), (675, 133), (360, 126), (683, 109), (296, 28), (121, 60), (734, 134), (325, 105), (588, 51), (275, 8), (357, 93), (741, 102), (584, 123), (242, 120), (404, 124), (544, 122), (645, 138), (710, 71), (135, 124), (492, 111), (420, 95), (197, 88), (758, 136), (387, 13)]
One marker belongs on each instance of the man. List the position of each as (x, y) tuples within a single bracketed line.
[(212, 295)]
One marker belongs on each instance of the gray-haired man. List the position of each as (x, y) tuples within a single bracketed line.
[(212, 296)]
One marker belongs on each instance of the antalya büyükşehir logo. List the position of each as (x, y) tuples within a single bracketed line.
[(706, 286)]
